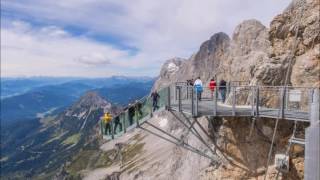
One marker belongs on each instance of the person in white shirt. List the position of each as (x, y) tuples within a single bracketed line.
[(198, 86)]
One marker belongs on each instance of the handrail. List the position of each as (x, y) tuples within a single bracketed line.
[(129, 116)]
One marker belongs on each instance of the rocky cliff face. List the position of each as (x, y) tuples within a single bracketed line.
[(296, 34), (261, 55), (247, 51), (168, 72)]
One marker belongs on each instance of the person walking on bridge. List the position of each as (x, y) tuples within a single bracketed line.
[(155, 96), (198, 87), (212, 86), (107, 117), (223, 89)]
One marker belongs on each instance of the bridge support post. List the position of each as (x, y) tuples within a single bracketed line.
[(169, 98), (312, 146), (233, 101), (215, 103), (192, 103), (137, 118), (179, 99), (196, 105), (253, 95), (282, 101), (187, 91), (257, 101), (112, 129), (124, 122)]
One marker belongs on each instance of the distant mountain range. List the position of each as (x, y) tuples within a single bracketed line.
[(50, 124), (40, 100), (40, 147), (17, 86)]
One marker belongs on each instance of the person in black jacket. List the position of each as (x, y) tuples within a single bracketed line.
[(155, 96), (223, 89)]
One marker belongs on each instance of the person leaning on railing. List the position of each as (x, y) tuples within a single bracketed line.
[(107, 117), (116, 124)]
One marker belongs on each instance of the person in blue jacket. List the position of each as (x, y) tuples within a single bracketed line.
[(198, 87)]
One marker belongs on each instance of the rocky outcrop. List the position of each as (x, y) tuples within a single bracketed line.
[(261, 55), (295, 42), (248, 50), (205, 62), (168, 72)]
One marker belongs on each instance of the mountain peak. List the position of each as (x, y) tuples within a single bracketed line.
[(91, 99)]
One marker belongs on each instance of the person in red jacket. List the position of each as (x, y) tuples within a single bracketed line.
[(212, 86)]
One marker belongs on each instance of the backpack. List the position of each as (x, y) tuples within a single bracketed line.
[(198, 88)]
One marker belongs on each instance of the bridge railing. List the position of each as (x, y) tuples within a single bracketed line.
[(135, 113), (241, 100), (244, 100)]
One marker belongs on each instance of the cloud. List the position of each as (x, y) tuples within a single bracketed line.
[(157, 29), (51, 51), (94, 59)]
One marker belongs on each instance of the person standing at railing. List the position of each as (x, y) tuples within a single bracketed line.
[(223, 89), (198, 87), (212, 86), (190, 82), (138, 111), (107, 117), (116, 124), (155, 96)]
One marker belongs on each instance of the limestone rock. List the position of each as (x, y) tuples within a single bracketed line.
[(168, 72)]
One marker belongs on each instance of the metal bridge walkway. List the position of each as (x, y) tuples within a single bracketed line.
[(289, 103), (299, 104)]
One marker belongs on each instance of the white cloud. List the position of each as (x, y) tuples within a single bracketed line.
[(94, 59), (158, 29), (51, 51)]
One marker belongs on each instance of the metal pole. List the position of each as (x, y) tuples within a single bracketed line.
[(253, 95), (124, 122), (194, 132), (315, 108), (312, 145), (187, 92), (233, 101), (170, 135), (282, 99), (215, 98), (179, 99), (136, 116), (169, 98), (112, 130), (197, 104), (190, 148), (192, 103), (257, 101)]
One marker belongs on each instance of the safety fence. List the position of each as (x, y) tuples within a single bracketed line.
[(285, 102), (134, 114)]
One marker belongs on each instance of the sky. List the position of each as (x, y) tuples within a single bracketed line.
[(101, 38)]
